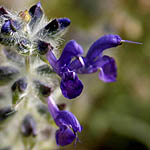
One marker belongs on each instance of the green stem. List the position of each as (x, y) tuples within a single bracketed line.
[(27, 62)]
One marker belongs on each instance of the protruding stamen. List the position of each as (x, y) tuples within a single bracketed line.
[(74, 75), (126, 41), (81, 61)]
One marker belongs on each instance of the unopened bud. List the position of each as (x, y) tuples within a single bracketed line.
[(7, 74), (6, 112), (18, 88), (28, 126), (43, 90)]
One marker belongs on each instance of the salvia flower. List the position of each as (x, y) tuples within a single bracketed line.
[(67, 123), (71, 86), (95, 60)]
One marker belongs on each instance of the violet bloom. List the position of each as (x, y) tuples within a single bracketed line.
[(67, 123), (71, 86), (94, 60)]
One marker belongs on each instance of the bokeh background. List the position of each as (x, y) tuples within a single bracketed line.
[(114, 116)]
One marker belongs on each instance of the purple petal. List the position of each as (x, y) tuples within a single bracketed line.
[(66, 118), (64, 136), (71, 86), (105, 42), (64, 22), (108, 71), (53, 61), (52, 107), (72, 49)]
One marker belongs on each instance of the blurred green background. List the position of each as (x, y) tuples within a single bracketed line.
[(114, 116)]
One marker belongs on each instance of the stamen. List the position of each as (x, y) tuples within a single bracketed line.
[(126, 41), (74, 75), (81, 61)]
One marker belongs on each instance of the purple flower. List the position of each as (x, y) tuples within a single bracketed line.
[(94, 60), (71, 86), (67, 123)]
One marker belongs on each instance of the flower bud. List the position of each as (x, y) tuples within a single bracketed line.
[(18, 88), (28, 126), (45, 69), (7, 74), (13, 56), (6, 112), (43, 47), (43, 89), (61, 106), (23, 46)]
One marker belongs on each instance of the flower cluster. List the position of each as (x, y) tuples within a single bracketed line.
[(31, 35), (29, 32)]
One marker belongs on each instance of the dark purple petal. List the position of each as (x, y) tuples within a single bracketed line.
[(3, 11), (64, 136), (108, 71), (72, 49), (43, 47), (52, 26), (66, 118), (64, 22), (105, 42), (71, 86), (36, 14)]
